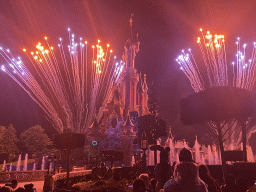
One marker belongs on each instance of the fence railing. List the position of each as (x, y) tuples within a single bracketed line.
[(37, 175)]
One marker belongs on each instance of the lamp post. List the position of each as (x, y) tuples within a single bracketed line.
[(144, 147)]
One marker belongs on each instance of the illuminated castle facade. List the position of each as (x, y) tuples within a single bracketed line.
[(119, 127)]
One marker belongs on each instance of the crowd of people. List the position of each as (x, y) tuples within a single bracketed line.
[(12, 187), (185, 176)]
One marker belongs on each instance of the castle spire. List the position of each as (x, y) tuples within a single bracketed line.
[(131, 24)]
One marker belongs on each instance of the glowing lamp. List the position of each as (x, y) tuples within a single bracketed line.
[(24, 50)]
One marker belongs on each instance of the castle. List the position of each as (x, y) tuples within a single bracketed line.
[(118, 127)]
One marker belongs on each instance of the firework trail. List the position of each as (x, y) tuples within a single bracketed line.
[(241, 71), (67, 85)]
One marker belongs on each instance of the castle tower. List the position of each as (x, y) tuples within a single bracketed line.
[(130, 77)]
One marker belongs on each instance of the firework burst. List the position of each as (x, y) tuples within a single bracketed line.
[(68, 84), (240, 73)]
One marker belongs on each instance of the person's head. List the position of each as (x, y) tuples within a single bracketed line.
[(203, 171), (14, 183), (139, 186), (20, 189), (241, 184), (145, 178), (230, 180), (6, 189), (29, 187), (185, 155), (187, 172), (164, 155)]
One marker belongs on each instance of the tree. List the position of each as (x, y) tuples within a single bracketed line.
[(9, 141), (220, 107), (35, 139), (2, 131)]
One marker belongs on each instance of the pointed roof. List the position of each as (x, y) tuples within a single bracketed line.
[(94, 129), (130, 21), (128, 122)]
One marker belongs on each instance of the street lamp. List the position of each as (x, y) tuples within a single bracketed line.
[(144, 147)]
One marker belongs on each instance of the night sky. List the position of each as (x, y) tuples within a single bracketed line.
[(164, 28)]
